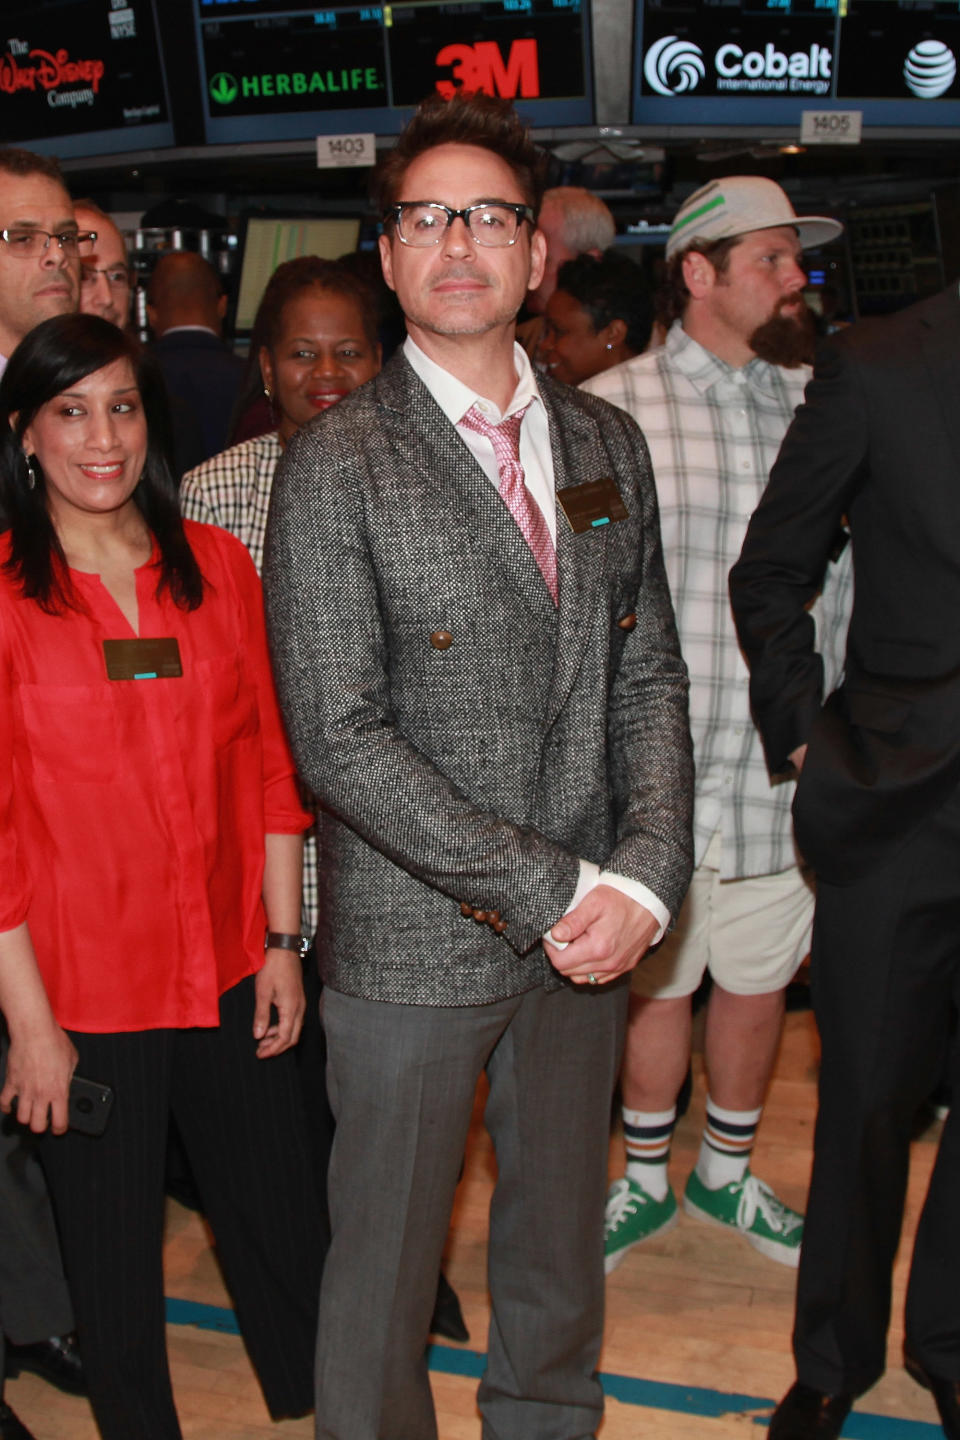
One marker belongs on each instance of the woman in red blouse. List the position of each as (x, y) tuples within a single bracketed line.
[(150, 851)]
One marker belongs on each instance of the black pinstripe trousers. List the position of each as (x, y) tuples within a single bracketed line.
[(244, 1128)]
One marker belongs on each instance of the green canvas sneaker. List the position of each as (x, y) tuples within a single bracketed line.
[(633, 1216), (750, 1206)]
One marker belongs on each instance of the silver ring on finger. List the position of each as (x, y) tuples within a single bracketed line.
[(592, 980)]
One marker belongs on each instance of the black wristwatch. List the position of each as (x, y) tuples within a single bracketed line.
[(299, 944)]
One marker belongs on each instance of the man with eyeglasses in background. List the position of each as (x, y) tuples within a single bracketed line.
[(40, 246), (477, 658), (105, 280), (40, 249)]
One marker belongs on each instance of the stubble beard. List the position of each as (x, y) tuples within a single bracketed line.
[(456, 318)]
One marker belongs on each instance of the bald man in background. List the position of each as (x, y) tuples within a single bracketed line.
[(185, 307), (573, 222)]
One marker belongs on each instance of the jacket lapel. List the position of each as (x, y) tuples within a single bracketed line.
[(578, 458), (426, 441)]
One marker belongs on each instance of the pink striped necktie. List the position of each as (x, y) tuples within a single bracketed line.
[(505, 439)]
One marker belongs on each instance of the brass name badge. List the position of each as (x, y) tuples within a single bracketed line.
[(592, 506), (156, 659)]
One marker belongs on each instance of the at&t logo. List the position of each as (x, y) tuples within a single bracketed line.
[(930, 69), (673, 66)]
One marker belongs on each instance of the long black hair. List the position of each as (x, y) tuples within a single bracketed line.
[(50, 359)]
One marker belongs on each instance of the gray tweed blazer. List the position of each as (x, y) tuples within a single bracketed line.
[(469, 741)]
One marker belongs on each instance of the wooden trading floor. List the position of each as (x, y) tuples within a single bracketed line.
[(698, 1324)]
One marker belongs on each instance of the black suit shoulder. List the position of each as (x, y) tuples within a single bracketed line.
[(890, 341)]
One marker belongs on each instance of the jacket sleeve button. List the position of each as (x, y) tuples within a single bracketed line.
[(627, 622), (441, 639)]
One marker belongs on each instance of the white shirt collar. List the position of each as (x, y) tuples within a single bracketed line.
[(455, 398)]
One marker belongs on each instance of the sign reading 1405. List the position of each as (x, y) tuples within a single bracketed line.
[(831, 127)]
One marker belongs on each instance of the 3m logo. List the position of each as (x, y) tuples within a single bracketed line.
[(482, 67)]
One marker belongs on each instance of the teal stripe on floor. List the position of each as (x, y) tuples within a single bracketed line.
[(650, 1394)]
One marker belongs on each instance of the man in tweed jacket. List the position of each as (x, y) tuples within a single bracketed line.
[(493, 766)]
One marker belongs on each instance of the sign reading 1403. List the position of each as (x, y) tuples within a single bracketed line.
[(334, 151)]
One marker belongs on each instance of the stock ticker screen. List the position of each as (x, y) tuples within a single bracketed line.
[(764, 61), (276, 70)]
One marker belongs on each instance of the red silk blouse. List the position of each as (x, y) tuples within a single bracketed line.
[(133, 812)]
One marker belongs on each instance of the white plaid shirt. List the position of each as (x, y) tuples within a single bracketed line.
[(232, 490), (714, 433)]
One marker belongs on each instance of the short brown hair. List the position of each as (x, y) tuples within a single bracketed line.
[(672, 294), (25, 162), (466, 119)]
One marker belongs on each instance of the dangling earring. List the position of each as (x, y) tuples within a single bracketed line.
[(266, 391), (609, 345), (31, 473)]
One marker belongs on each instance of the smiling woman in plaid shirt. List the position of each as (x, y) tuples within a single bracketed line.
[(318, 324), (714, 403)]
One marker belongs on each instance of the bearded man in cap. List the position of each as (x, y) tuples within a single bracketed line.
[(714, 403)]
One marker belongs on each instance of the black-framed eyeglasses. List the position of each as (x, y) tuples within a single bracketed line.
[(425, 222), (27, 242), (117, 276)]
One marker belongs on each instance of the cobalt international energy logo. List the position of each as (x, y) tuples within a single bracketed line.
[(930, 69), (673, 66)]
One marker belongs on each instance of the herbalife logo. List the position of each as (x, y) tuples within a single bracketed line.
[(930, 69), (672, 66), (224, 88)]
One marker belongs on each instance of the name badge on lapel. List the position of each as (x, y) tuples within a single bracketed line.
[(154, 659), (592, 506)]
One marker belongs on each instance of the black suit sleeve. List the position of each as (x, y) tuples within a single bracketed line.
[(789, 540)]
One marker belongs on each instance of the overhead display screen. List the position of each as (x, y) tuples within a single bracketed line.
[(749, 62), (275, 70), (82, 77)]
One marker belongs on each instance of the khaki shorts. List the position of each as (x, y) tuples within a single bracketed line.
[(750, 934)]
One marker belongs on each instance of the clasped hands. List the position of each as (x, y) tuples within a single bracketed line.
[(604, 936)]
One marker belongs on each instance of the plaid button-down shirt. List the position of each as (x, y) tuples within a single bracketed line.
[(232, 490), (713, 434)]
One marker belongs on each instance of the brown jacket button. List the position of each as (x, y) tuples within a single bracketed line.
[(441, 639), (499, 926), (627, 622), (465, 910)]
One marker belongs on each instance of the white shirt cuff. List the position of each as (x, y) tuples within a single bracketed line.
[(591, 875)]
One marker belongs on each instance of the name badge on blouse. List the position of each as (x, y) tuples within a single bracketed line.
[(592, 506), (154, 659)]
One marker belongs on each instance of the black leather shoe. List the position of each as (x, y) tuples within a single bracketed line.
[(56, 1360), (447, 1316), (946, 1393), (807, 1414), (10, 1427)]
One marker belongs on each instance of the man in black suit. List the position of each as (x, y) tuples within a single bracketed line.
[(878, 815), (185, 307)]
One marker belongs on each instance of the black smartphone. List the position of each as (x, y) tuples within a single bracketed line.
[(89, 1106)]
